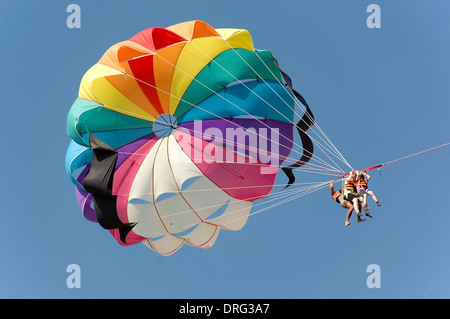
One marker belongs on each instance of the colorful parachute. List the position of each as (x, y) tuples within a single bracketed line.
[(177, 132)]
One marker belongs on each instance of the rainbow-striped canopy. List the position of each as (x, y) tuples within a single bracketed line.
[(176, 133)]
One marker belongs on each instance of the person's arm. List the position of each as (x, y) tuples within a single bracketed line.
[(331, 188)]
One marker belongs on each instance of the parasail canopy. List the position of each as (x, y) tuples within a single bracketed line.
[(177, 132)]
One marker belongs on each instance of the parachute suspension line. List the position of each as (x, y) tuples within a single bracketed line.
[(205, 110), (278, 198), (262, 99), (285, 195), (327, 141), (164, 122), (193, 105), (303, 108), (297, 191), (299, 184), (228, 101), (304, 192), (151, 119), (318, 170), (333, 148), (259, 78), (274, 196), (286, 160), (288, 195), (323, 149), (330, 147), (277, 203), (165, 92), (296, 100)]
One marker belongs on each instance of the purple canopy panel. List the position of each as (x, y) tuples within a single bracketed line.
[(239, 155)]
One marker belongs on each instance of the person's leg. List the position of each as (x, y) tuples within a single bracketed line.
[(371, 193), (358, 209), (366, 208), (349, 213), (356, 205)]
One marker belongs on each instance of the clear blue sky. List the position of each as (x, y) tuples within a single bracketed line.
[(379, 94)]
